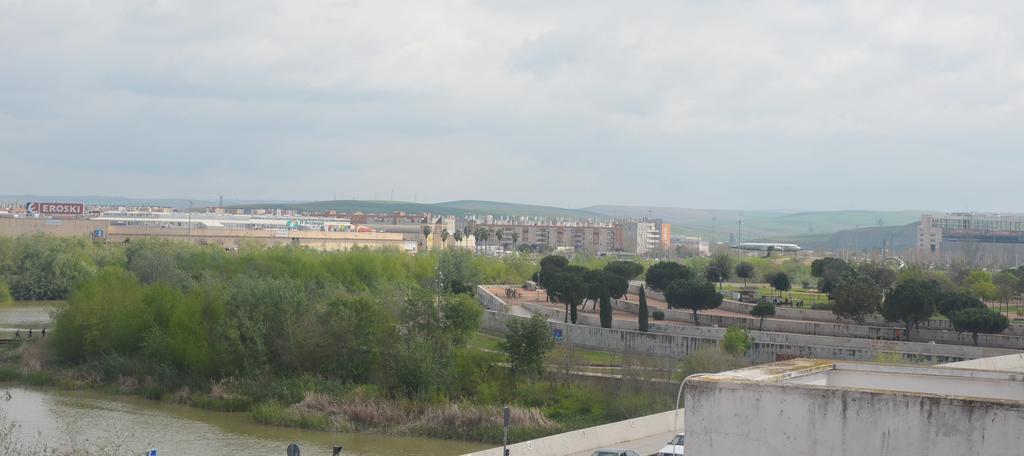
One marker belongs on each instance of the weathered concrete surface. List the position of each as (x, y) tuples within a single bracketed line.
[(1007, 363), (799, 339), (655, 427), (805, 314), (737, 413), (675, 341)]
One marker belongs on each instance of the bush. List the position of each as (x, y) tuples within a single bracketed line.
[(737, 341), (658, 315), (5, 292), (711, 360)]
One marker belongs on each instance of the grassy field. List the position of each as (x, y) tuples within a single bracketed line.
[(808, 297), (588, 357)]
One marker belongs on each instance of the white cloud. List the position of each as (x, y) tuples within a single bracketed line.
[(676, 103)]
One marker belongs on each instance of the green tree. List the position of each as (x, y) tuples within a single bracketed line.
[(745, 271), (693, 294), (780, 281), (642, 312), (104, 315), (829, 272), (628, 270), (856, 296), (719, 269), (882, 275), (661, 274), (515, 238), (569, 287), (737, 341), (606, 309), (979, 320), (910, 302), (457, 268), (5, 292), (600, 281), (458, 237), (950, 303), (526, 344), (426, 236), (980, 284), (763, 310), (481, 235)]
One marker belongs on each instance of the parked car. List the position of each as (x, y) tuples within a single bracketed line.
[(674, 447), (614, 452)]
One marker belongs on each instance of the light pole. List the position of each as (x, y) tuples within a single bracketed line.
[(190, 221), (679, 395)]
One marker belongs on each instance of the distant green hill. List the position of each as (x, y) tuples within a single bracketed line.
[(512, 209), (828, 222), (896, 238)]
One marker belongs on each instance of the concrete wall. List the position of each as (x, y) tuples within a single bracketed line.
[(56, 227), (676, 341), (746, 418), (790, 313), (608, 435), (1011, 363), (772, 346), (835, 329), (787, 332)]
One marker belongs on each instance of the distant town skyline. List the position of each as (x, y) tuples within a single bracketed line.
[(795, 105)]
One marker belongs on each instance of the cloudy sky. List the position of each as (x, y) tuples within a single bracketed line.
[(712, 104)]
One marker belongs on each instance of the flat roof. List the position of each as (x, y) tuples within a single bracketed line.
[(948, 381)]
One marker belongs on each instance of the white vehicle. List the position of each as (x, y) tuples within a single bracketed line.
[(767, 247), (674, 447)]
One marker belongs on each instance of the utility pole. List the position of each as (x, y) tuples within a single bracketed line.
[(507, 416), (739, 233), (189, 221)]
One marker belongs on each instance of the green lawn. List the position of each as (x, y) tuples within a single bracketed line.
[(794, 294), (589, 357)]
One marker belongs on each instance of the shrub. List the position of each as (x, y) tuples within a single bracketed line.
[(658, 315), (737, 341), (154, 393)]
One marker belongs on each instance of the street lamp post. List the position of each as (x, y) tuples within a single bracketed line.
[(679, 395)]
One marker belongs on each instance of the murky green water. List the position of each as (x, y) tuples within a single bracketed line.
[(54, 417), (26, 315)]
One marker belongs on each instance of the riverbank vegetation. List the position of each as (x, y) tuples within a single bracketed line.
[(361, 341)]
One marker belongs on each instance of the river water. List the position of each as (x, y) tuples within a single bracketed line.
[(55, 417)]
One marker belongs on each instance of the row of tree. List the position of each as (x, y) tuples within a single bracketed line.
[(910, 298), (574, 285)]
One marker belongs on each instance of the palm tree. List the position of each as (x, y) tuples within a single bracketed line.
[(481, 235), (444, 235), (458, 237), (426, 234), (515, 238), (499, 235)]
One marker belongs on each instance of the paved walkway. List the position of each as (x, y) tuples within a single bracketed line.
[(645, 446)]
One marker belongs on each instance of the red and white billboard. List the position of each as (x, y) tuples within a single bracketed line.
[(56, 208)]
